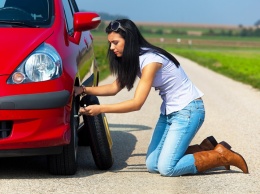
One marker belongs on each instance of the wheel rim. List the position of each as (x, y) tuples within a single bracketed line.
[(107, 131)]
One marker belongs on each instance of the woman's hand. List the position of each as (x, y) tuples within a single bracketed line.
[(91, 110), (78, 90)]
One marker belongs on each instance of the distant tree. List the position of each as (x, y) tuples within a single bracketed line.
[(243, 32), (141, 28), (257, 24), (222, 32), (230, 33), (240, 26), (210, 32), (257, 32), (159, 31)]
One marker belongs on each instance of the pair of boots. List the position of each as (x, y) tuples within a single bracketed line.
[(211, 154)]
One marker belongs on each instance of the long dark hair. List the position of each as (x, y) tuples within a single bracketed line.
[(127, 66)]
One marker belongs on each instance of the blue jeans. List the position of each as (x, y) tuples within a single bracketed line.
[(171, 138)]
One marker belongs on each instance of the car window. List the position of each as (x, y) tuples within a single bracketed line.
[(37, 12), (70, 8)]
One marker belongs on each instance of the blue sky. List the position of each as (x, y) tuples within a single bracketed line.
[(222, 12)]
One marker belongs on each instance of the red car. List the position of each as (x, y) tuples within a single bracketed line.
[(47, 49)]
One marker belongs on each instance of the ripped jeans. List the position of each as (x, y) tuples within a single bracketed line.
[(171, 138)]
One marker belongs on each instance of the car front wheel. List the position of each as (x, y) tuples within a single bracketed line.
[(98, 136)]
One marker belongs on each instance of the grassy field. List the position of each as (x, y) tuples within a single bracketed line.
[(235, 57), (240, 65)]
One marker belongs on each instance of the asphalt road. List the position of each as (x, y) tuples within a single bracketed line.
[(232, 114)]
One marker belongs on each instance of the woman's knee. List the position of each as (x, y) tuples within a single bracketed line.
[(170, 171), (151, 166), (162, 169), (166, 170), (186, 165)]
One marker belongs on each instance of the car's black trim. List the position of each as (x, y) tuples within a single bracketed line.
[(31, 152), (35, 101)]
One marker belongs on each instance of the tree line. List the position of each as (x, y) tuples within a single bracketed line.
[(241, 31)]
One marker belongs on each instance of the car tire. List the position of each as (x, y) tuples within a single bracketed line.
[(98, 136), (66, 162)]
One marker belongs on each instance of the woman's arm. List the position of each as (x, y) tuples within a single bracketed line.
[(105, 90), (141, 94)]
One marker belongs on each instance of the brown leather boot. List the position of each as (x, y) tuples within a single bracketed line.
[(207, 144), (220, 156)]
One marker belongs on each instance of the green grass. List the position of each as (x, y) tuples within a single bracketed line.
[(241, 64), (101, 57)]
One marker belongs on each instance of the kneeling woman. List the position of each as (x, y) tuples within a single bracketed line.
[(182, 111)]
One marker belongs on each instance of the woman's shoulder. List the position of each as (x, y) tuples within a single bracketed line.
[(150, 57), (146, 52)]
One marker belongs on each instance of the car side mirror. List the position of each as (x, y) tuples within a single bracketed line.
[(84, 21)]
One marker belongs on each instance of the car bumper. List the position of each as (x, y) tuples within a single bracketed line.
[(23, 129), (34, 122)]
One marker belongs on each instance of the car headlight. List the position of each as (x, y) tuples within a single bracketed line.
[(42, 65)]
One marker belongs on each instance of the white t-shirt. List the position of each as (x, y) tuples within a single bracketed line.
[(175, 88)]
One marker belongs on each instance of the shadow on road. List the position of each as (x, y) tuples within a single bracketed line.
[(36, 166)]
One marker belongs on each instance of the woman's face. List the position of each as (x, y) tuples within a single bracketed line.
[(117, 43)]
